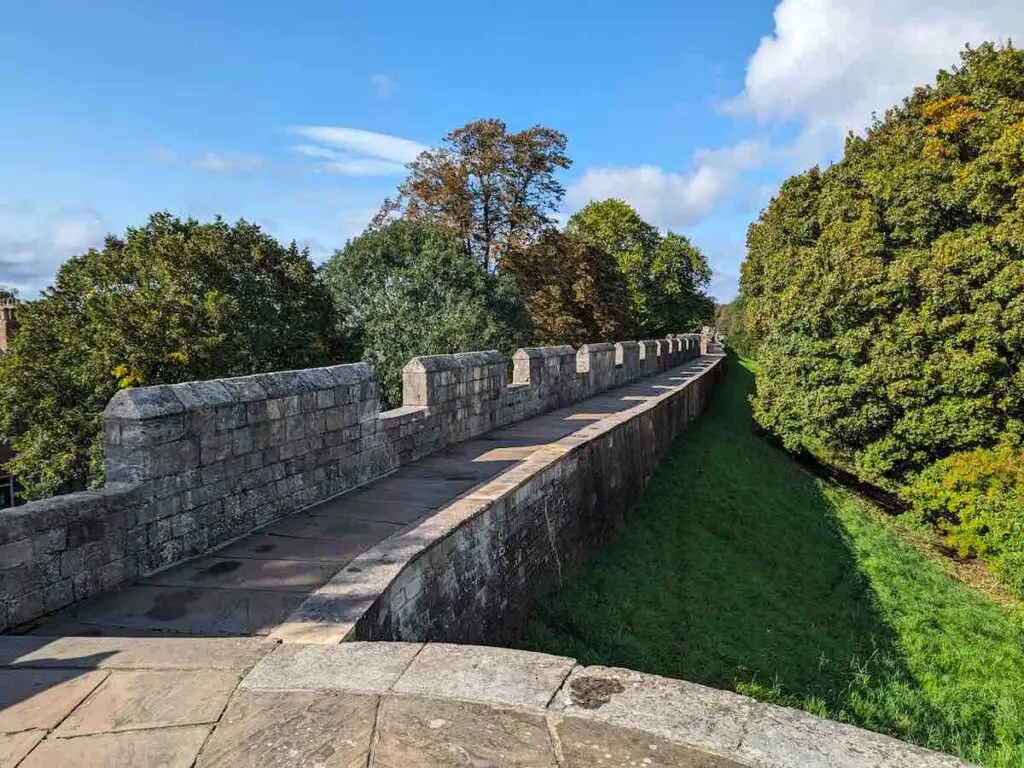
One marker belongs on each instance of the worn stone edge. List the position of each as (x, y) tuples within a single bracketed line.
[(837, 744)]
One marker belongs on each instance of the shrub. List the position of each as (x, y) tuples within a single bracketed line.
[(976, 500)]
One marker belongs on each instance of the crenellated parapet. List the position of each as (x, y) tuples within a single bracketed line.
[(192, 466)]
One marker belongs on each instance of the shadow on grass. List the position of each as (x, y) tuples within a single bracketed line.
[(741, 571), (732, 571)]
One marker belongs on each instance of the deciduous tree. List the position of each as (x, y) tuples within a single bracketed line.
[(573, 289), (170, 301), (667, 276), (411, 289), (494, 188)]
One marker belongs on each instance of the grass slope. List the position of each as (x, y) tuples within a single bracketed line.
[(740, 571)]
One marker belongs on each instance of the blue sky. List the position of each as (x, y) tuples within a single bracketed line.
[(300, 115)]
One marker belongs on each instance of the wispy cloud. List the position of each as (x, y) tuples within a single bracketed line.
[(212, 161), (355, 152), (386, 85)]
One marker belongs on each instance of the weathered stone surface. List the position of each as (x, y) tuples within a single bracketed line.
[(238, 654), (294, 729), (438, 733), (14, 746), (187, 610), (591, 744), (337, 545), (146, 699), (358, 667), (250, 574), (164, 748), (41, 698), (497, 675), (684, 712), (777, 736), (193, 465)]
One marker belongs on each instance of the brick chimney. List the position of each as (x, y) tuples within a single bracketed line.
[(8, 320)]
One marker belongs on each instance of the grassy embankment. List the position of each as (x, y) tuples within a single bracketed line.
[(741, 571)]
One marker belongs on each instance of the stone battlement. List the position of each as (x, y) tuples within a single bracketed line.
[(192, 466)]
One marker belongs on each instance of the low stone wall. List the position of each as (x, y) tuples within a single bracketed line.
[(468, 572), (192, 466)]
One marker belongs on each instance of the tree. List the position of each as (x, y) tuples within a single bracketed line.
[(666, 276), (573, 289), (887, 291), (681, 276), (495, 189), (411, 289), (729, 320), (171, 301)]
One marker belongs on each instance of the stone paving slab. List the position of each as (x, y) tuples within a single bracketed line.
[(357, 667), (350, 538), (14, 746), (275, 575), (440, 733), (185, 610), (333, 522), (498, 675), (293, 729), (228, 653), (42, 698), (163, 748), (128, 701)]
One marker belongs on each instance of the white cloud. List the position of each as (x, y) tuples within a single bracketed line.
[(212, 161), (355, 152), (34, 243), (666, 198), (830, 63), (386, 85), (343, 162), (357, 141)]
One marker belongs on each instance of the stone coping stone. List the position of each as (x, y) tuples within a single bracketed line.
[(480, 673), (731, 729), (354, 667)]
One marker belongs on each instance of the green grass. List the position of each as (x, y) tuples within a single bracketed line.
[(740, 571)]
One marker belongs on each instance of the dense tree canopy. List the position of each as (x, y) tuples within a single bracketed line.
[(573, 289), (494, 188), (171, 301), (411, 288), (729, 320), (889, 289), (666, 276)]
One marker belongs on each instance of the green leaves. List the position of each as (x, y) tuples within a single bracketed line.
[(666, 276), (886, 291), (171, 301), (411, 288)]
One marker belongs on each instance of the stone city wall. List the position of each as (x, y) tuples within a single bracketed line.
[(192, 466), (469, 573)]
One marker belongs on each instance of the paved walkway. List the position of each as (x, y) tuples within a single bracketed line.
[(250, 587), (78, 702)]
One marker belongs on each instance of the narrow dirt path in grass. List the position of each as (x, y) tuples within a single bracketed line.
[(740, 571)]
